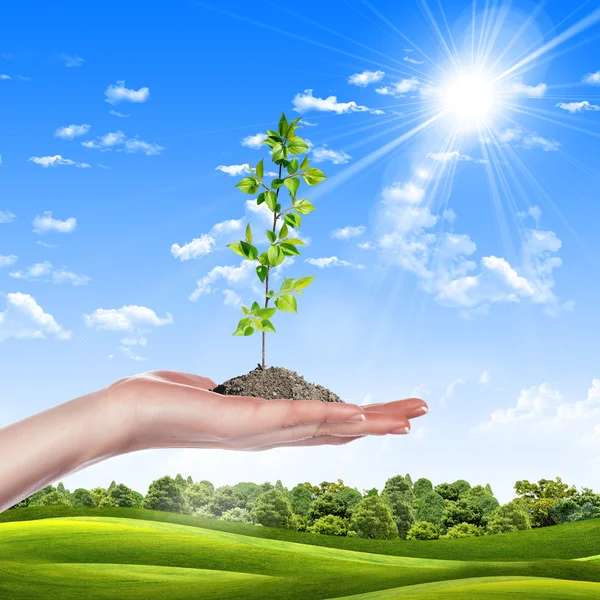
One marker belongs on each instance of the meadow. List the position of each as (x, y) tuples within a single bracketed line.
[(72, 553)]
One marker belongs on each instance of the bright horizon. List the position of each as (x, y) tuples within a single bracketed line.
[(454, 244)]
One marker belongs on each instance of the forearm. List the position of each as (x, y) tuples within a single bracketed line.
[(47, 446)]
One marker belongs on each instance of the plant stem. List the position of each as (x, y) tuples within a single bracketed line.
[(275, 217)]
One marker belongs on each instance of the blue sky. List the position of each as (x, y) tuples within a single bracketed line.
[(454, 244)]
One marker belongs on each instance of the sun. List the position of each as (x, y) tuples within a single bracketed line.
[(469, 98)]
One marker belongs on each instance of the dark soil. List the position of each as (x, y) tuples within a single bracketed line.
[(275, 382)]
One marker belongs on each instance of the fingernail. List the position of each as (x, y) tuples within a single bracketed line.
[(356, 418), (425, 409), (401, 430)]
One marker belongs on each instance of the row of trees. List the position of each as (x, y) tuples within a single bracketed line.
[(414, 511)]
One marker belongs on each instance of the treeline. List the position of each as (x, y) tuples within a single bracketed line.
[(413, 511)]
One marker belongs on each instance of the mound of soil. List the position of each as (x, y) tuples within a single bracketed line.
[(275, 382)]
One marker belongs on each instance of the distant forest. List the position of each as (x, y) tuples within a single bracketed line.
[(402, 509)]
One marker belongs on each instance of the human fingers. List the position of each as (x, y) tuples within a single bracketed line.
[(410, 408), (324, 440)]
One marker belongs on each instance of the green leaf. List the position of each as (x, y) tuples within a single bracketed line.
[(313, 176), (279, 152), (254, 308), (262, 271), (245, 327), (271, 141), (293, 166), (271, 293), (289, 249), (286, 303), (295, 241), (283, 232), (260, 168), (271, 235), (260, 198), (275, 256), (267, 326), (244, 249), (292, 184), (293, 220), (287, 285), (245, 310), (249, 234), (305, 163), (273, 134), (283, 126), (248, 185), (297, 145), (303, 282), (304, 207), (271, 200), (277, 183), (266, 313)]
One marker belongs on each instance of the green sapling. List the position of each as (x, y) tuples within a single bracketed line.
[(284, 144)]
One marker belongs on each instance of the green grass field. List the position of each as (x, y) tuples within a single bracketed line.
[(63, 553)]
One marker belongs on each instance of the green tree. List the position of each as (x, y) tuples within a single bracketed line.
[(350, 497), (199, 494), (189, 480), (509, 517), (225, 498), (372, 518), (540, 498), (273, 509), (330, 525), (82, 497), (54, 498), (179, 480), (113, 484), (60, 488), (463, 511), (137, 498), (447, 491), (462, 486), (399, 485), (402, 510), (463, 530), (301, 499), (101, 497), (237, 515), (328, 504), (371, 492), (249, 492), (285, 145), (166, 495), (421, 487), (122, 496), (35, 498), (483, 498), (423, 530), (430, 507)]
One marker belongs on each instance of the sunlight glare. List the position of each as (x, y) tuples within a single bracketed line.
[(470, 98)]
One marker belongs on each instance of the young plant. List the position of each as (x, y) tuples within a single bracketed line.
[(285, 146)]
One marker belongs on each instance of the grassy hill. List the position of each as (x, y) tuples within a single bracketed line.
[(63, 553)]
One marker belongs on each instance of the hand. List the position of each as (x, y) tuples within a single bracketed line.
[(171, 409)]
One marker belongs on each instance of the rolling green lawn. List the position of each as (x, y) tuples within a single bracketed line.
[(64, 553)]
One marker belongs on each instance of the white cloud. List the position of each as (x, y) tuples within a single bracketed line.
[(400, 88), (197, 247), (226, 227), (365, 78), (147, 148), (366, 246), (129, 353), (308, 123), (332, 261), (232, 276), (70, 132), (72, 60), (345, 233), (592, 78), (535, 212), (324, 154), (24, 318), (528, 91), (8, 261), (134, 341), (451, 390), (528, 140), (46, 223), (106, 141), (441, 260), (46, 270), (45, 244), (54, 161), (119, 93), (4, 77), (116, 113), (306, 102), (485, 377), (233, 170), (575, 107), (454, 155), (6, 216), (413, 61), (231, 299), (127, 318), (254, 141)]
